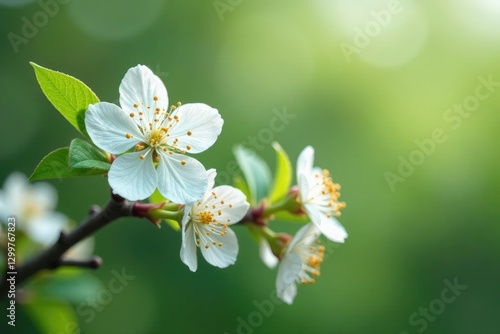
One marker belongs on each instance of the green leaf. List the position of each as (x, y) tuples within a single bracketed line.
[(256, 172), (83, 154), (283, 177), (70, 96), (55, 166), (52, 316)]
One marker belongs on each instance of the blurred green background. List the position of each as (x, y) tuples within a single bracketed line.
[(361, 109)]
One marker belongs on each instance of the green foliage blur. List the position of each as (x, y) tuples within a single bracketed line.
[(399, 99)]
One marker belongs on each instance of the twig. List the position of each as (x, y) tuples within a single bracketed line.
[(52, 257)]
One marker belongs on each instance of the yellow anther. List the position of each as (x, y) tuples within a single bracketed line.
[(155, 98), (179, 104), (131, 114), (176, 118), (128, 135), (220, 244), (183, 162), (136, 105), (139, 147), (222, 202), (219, 212), (207, 246), (205, 217), (189, 133), (141, 156), (188, 147)]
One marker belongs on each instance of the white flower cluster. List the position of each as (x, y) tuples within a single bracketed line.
[(153, 139)]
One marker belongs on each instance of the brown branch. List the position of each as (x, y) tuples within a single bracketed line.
[(52, 257)]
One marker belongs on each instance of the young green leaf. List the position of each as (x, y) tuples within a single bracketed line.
[(283, 177), (70, 96), (83, 154), (256, 172), (55, 166)]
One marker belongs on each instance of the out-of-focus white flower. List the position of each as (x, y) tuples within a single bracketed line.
[(300, 262), (319, 196), (33, 206), (81, 251)]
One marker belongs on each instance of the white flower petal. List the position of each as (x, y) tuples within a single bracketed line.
[(288, 295), (188, 248), (288, 271), (305, 162), (303, 187), (14, 188), (329, 227), (211, 173), (221, 256), (139, 86), (133, 178), (181, 183), (266, 254), (203, 123), (305, 235), (46, 229), (44, 195), (108, 127), (231, 203)]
